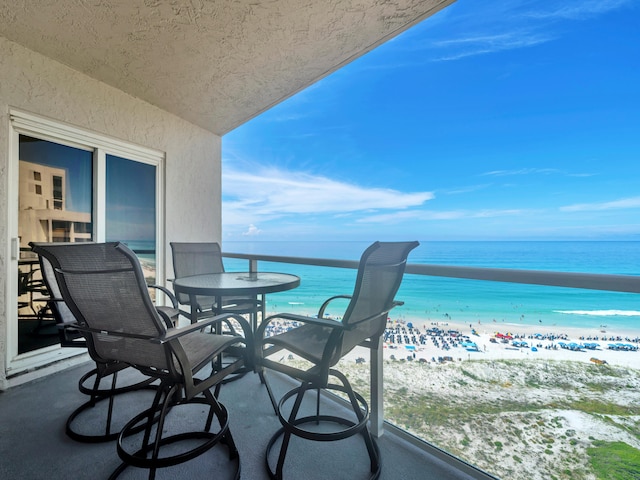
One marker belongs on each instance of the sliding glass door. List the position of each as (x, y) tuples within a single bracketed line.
[(73, 186)]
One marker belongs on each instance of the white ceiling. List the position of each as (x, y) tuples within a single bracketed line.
[(215, 63)]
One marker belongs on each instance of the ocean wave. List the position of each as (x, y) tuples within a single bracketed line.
[(602, 313), (295, 303)]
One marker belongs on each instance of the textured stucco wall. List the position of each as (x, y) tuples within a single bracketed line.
[(34, 83)]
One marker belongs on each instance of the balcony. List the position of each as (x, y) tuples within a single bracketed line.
[(34, 445), (45, 403)]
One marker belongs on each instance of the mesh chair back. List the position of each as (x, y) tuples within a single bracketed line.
[(104, 287), (59, 309), (380, 273), (192, 258)]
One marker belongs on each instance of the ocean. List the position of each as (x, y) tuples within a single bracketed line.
[(442, 300)]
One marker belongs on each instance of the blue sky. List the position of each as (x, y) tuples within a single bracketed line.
[(514, 120)]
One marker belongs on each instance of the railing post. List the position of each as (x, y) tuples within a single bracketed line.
[(253, 267), (376, 390)]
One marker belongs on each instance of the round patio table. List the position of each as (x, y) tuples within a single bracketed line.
[(234, 283)]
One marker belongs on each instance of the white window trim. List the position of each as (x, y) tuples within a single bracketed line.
[(25, 123)]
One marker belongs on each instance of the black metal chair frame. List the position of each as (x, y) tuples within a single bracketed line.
[(134, 333), (196, 258), (323, 342), (73, 338)]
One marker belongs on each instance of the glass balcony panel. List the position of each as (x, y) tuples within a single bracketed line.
[(519, 380)]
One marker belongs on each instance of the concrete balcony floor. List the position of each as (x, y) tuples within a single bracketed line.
[(33, 443)]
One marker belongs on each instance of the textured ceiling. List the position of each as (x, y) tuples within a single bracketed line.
[(215, 63)]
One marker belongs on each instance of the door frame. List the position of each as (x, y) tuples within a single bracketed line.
[(25, 123)]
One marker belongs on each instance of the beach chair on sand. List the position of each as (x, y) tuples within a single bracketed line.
[(323, 342)]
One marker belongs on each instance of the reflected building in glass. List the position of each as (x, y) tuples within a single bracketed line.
[(43, 216)]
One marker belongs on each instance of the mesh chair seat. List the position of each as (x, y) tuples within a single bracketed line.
[(306, 341), (323, 342), (197, 348)]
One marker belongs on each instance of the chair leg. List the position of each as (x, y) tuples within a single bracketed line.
[(221, 413), (318, 406), (148, 453), (286, 433), (272, 398), (150, 415), (159, 427), (372, 448), (110, 409), (294, 425), (97, 395)]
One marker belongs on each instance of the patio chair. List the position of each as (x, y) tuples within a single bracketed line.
[(197, 258), (103, 285), (322, 342), (71, 337)]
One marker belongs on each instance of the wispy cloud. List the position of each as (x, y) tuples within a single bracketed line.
[(434, 215), (624, 203), (469, 189), (521, 171), (491, 213), (536, 171), (577, 10), (513, 25), (256, 194), (482, 44), (413, 215)]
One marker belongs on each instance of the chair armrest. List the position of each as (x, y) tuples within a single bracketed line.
[(165, 318), (323, 322), (329, 300), (168, 293), (173, 333), (71, 325)]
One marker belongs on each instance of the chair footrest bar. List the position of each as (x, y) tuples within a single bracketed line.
[(141, 459), (107, 392), (294, 426), (375, 458)]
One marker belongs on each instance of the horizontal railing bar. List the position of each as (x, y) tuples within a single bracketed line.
[(319, 262), (590, 281)]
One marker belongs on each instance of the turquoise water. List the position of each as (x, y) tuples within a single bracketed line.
[(434, 299)]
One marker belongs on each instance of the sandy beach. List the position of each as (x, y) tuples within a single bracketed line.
[(414, 340), (518, 413), (546, 340)]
